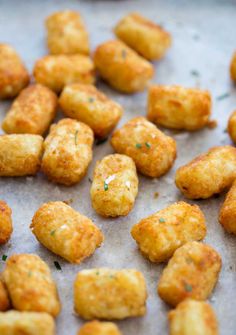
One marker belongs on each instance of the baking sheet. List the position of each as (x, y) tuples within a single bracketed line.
[(203, 41)]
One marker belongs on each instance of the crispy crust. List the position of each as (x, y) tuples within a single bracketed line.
[(232, 126), (233, 67), (6, 227), (153, 152), (99, 328), (4, 299), (228, 211), (122, 67)]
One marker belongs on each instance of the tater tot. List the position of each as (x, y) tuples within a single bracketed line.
[(193, 317), (192, 272), (115, 185), (30, 284), (67, 151), (233, 67), (4, 300), (13, 74), (26, 323), (6, 228), (66, 232), (20, 155), (110, 294), (57, 71), (66, 33), (227, 213), (232, 126), (160, 234), (122, 67), (153, 152), (31, 112), (85, 103), (208, 174), (144, 36), (178, 107), (99, 328)]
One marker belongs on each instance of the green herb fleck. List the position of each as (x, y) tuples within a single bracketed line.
[(57, 265), (29, 273), (91, 99), (123, 53), (138, 145), (101, 141), (105, 186), (4, 257), (76, 137), (223, 96), (52, 233), (148, 145), (97, 273), (112, 277), (162, 220), (195, 73), (188, 287)]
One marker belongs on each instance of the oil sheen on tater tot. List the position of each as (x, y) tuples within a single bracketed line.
[(192, 272), (232, 126), (99, 328), (66, 33), (122, 67), (26, 323), (67, 151), (233, 67), (153, 152), (6, 227), (115, 185), (104, 293), (208, 174), (13, 74), (227, 213), (30, 284), (31, 112), (177, 107), (193, 317), (65, 231), (160, 234), (57, 71), (20, 154), (87, 104), (144, 36), (4, 299)]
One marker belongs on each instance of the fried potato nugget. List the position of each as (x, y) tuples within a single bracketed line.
[(153, 152), (57, 71), (4, 300), (85, 103), (99, 328), (192, 272), (13, 74), (66, 232), (30, 284), (27, 323), (20, 155), (160, 234), (6, 228), (228, 211), (177, 107), (115, 185), (232, 126), (67, 33), (233, 67), (31, 112), (193, 317), (122, 67), (67, 152), (208, 174), (145, 37), (110, 294)]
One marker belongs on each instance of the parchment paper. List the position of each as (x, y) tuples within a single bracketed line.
[(203, 41)]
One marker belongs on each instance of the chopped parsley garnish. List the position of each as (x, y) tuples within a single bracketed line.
[(123, 53), (138, 145), (76, 137), (52, 233), (105, 186), (223, 96), (148, 145), (4, 257), (195, 73), (188, 287), (57, 265), (91, 99), (97, 273), (162, 220)]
